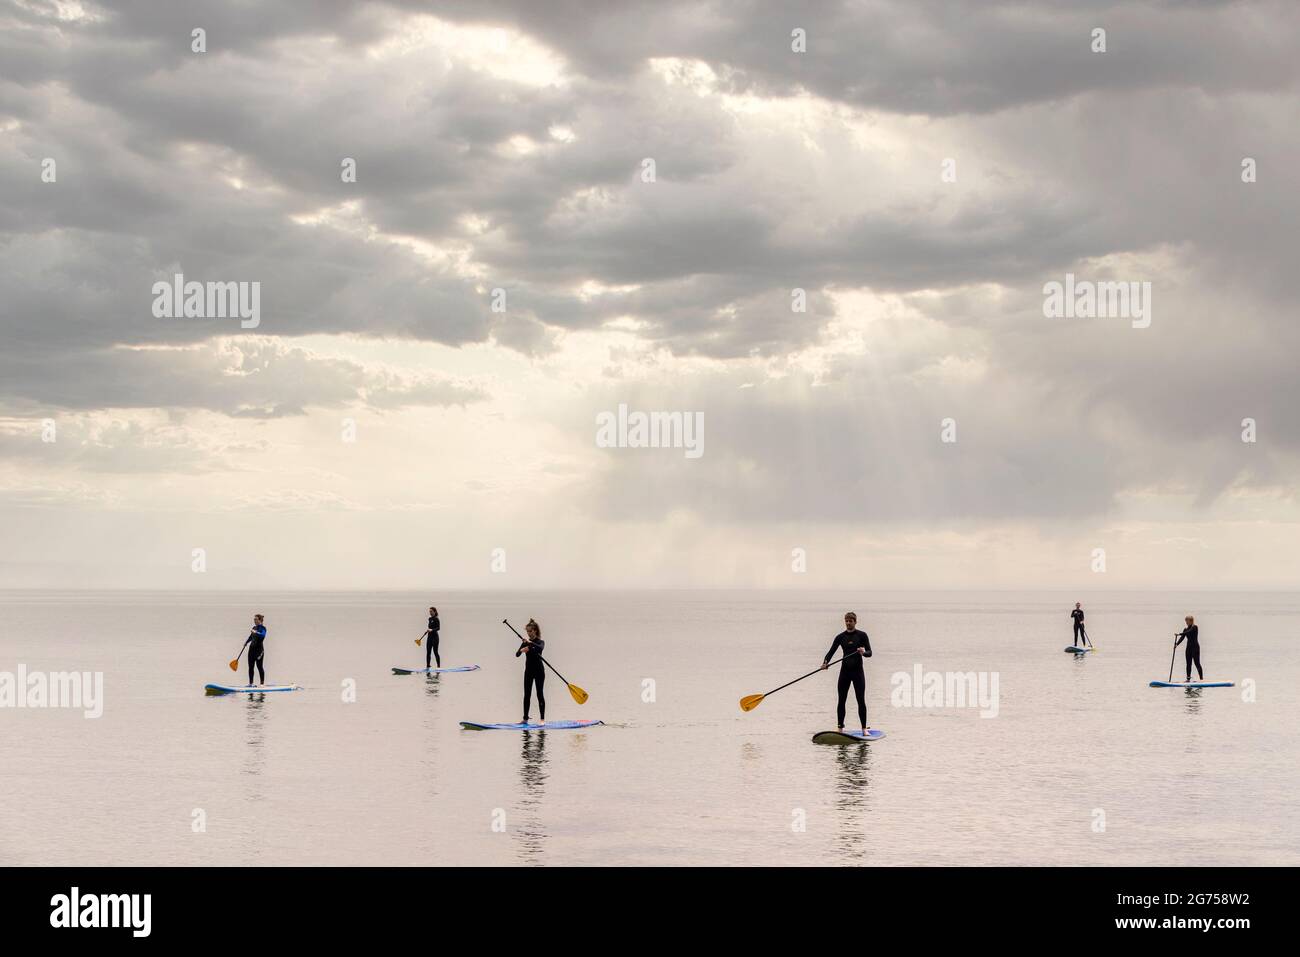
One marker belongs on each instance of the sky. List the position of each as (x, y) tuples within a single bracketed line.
[(824, 231)]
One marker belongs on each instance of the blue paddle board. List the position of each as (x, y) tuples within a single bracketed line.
[(247, 689), (548, 726), (847, 737), (1191, 684), (432, 671)]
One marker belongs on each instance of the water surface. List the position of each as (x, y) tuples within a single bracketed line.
[(1084, 764)]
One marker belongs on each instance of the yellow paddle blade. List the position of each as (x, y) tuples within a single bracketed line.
[(579, 695), (751, 701), (234, 665), (418, 640)]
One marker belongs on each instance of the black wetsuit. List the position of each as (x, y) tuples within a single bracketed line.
[(1077, 615), (431, 649), (1193, 653), (534, 674), (256, 653), (850, 672)]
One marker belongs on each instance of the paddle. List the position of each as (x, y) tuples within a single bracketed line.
[(752, 701), (234, 665), (421, 638), (1172, 655), (1088, 640), (579, 695)]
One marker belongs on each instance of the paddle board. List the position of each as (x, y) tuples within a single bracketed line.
[(549, 726), (1078, 651), (847, 737), (1191, 684), (247, 689), (432, 671)]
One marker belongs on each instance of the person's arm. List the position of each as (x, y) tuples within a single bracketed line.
[(521, 649), (831, 654), (866, 645), (1180, 636), (437, 625)]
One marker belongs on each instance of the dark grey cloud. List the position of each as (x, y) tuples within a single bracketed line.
[(931, 57)]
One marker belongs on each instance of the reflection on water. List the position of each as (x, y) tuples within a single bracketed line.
[(255, 736), (532, 776), (852, 791), (431, 758), (852, 764), (431, 685)]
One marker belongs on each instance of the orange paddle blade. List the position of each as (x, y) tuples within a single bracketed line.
[(418, 640), (751, 701), (234, 665)]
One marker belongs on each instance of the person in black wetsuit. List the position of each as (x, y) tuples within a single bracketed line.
[(1193, 653), (534, 669), (431, 649), (855, 646), (256, 650), (1077, 615)]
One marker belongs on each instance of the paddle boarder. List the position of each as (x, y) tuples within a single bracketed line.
[(855, 646), (1193, 653), (256, 650), (1077, 615), (534, 668), (431, 649)]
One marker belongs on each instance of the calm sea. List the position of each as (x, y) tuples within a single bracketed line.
[(1073, 761)]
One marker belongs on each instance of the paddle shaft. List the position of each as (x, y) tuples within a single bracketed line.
[(506, 622), (1172, 655), (234, 665), (808, 675)]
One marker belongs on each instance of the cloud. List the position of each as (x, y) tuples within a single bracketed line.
[(500, 150), (255, 377)]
